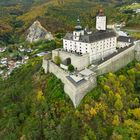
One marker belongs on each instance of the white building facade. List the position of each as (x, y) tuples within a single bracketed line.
[(97, 44), (124, 41)]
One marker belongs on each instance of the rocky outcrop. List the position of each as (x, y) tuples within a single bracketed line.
[(37, 32)]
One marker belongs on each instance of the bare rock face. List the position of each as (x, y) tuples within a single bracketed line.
[(37, 32)]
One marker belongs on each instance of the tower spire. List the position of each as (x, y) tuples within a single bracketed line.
[(78, 21), (78, 26)]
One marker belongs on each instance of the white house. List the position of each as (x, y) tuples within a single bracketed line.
[(124, 41)]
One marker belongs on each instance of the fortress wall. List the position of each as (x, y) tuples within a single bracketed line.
[(76, 60), (76, 93), (57, 71), (137, 54), (117, 62), (137, 51), (45, 65)]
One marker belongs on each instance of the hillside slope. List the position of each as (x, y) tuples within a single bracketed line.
[(34, 106)]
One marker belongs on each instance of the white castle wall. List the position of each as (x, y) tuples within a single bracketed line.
[(76, 93), (78, 61), (138, 55), (117, 62), (137, 50)]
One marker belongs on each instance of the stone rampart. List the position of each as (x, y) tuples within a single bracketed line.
[(117, 62), (76, 60), (75, 92), (138, 55), (137, 51)]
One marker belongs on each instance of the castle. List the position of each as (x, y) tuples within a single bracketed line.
[(91, 54), (97, 44)]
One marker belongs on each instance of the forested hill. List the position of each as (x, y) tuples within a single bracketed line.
[(33, 106), (17, 15)]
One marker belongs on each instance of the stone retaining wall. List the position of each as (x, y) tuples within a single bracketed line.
[(76, 60), (117, 62), (75, 92), (137, 55)]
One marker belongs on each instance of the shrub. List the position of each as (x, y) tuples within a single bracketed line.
[(71, 68)]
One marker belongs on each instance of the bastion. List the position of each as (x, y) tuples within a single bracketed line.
[(83, 80)]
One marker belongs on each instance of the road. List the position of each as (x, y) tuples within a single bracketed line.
[(131, 30)]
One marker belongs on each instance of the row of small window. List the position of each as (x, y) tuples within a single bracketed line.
[(96, 44), (76, 43), (75, 50), (104, 42), (103, 46)]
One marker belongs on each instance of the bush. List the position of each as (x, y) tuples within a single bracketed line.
[(71, 68)]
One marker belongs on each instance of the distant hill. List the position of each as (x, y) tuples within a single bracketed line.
[(16, 16)]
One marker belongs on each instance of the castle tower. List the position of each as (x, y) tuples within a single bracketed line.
[(78, 31), (101, 21)]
